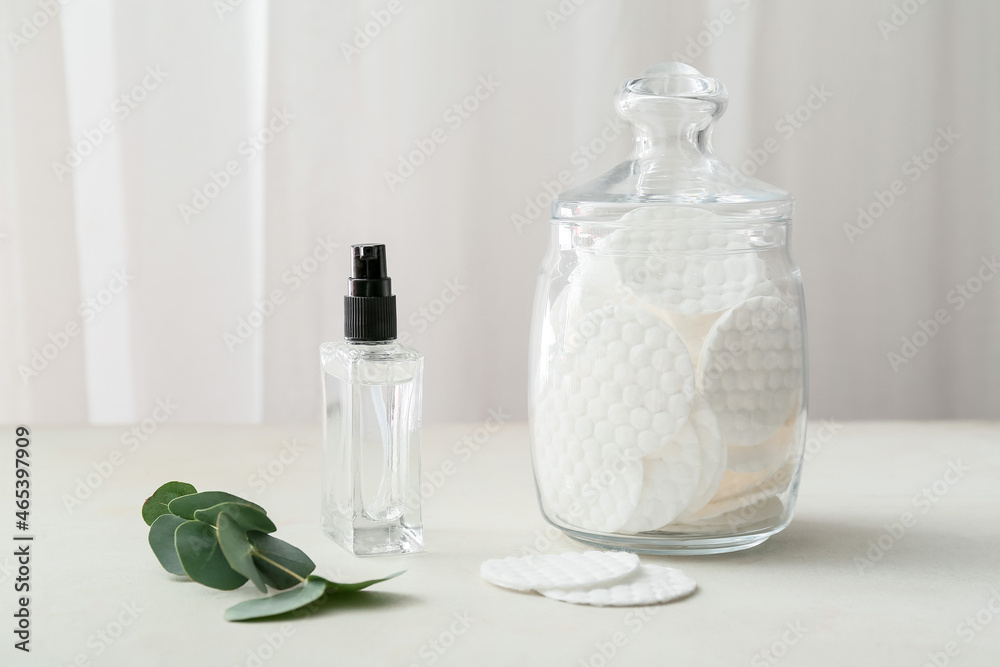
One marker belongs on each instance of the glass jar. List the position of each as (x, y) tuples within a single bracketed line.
[(667, 396)]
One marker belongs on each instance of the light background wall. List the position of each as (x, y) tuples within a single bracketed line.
[(231, 66)]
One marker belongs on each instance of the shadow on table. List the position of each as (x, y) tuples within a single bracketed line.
[(372, 600), (361, 601)]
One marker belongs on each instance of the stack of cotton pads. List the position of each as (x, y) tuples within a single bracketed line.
[(672, 400), (599, 578), (690, 275)]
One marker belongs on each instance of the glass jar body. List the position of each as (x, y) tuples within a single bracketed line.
[(667, 398)]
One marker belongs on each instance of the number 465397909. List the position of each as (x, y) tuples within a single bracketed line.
[(22, 490)]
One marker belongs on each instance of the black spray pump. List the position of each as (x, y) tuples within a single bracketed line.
[(369, 307)]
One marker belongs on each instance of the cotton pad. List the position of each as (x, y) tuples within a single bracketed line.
[(767, 454), (586, 484), (693, 329), (771, 485), (713, 455), (592, 284), (750, 369), (738, 519), (691, 268), (735, 484), (649, 584), (669, 480), (621, 390), (765, 288), (645, 376), (565, 572)]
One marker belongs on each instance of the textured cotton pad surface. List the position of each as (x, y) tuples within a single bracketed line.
[(649, 584), (713, 455), (620, 389), (567, 571), (591, 484), (750, 369), (690, 271), (693, 329), (592, 285), (669, 480)]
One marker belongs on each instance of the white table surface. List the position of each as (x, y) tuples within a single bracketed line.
[(90, 565)]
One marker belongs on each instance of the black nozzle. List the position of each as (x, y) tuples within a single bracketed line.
[(368, 274), (369, 307)]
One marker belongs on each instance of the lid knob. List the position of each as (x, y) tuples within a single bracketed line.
[(672, 108)]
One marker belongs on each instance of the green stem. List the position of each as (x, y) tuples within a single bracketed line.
[(257, 554)]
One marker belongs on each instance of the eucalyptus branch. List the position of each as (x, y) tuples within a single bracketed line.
[(222, 541)]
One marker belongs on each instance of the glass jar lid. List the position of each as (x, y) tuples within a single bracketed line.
[(673, 108)]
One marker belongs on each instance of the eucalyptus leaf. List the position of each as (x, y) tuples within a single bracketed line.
[(281, 603), (275, 577), (247, 516), (281, 564), (186, 506), (156, 505), (334, 587), (202, 559), (315, 587), (161, 540), (237, 548)]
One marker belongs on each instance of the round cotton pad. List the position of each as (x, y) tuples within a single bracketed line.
[(585, 484), (765, 288), (692, 329), (769, 487), (692, 269), (713, 454), (750, 369), (735, 484), (766, 454), (650, 584), (593, 284), (642, 374), (670, 479), (621, 389), (567, 571), (741, 518)]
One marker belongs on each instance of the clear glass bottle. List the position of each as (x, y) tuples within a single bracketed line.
[(372, 388), (667, 398)]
